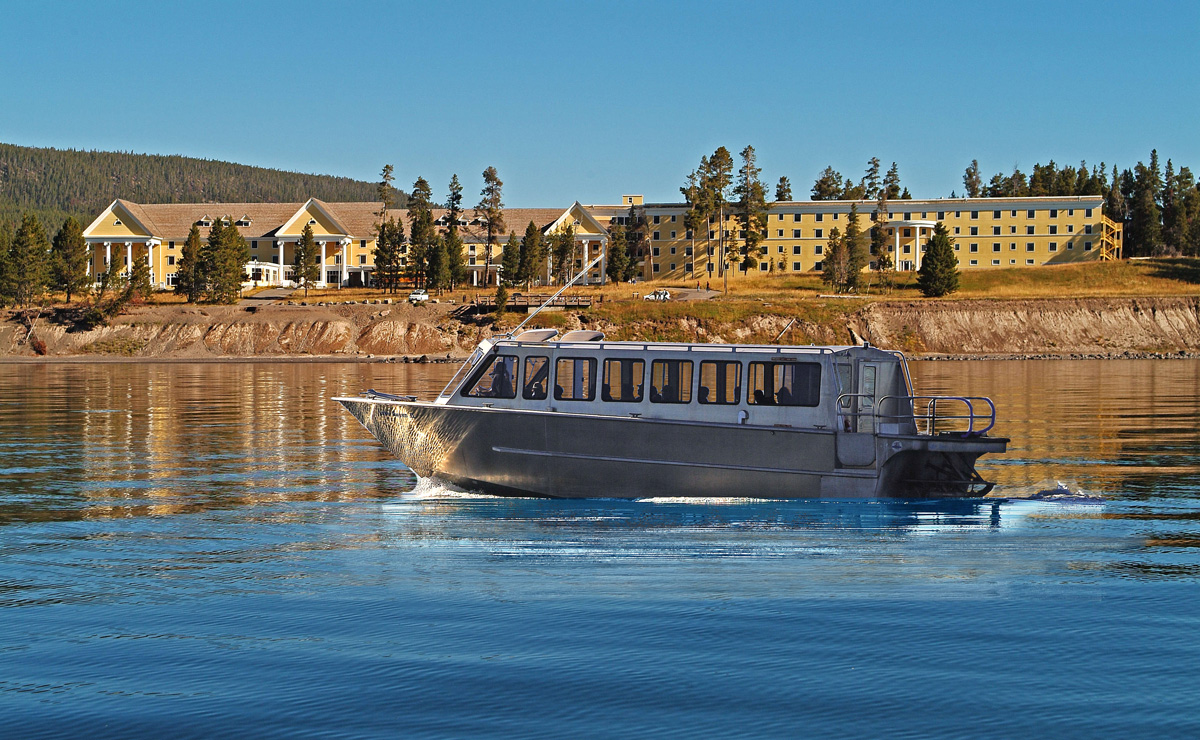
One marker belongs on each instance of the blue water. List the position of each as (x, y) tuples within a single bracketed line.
[(216, 551)]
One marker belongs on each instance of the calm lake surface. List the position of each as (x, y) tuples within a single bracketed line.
[(219, 551)]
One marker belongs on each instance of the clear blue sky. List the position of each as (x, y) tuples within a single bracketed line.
[(587, 101)]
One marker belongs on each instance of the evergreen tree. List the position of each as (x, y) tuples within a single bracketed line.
[(189, 275), (562, 252), (27, 269), (501, 299), (421, 231), (437, 276), (389, 239), (532, 255), (717, 179), (833, 266), (751, 207), (828, 186), (694, 220), (882, 251), (6, 237), (454, 204), (456, 267), (1114, 202), (139, 287), (939, 269), (1144, 232), (618, 254), (384, 191), (224, 259), (209, 256), (69, 260), (783, 189), (870, 182), (306, 266), (490, 210), (972, 180), (905, 195), (856, 251), (891, 183), (510, 261)]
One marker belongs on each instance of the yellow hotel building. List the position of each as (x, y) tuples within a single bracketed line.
[(987, 232)]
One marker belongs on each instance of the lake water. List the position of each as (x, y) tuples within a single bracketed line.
[(217, 550)]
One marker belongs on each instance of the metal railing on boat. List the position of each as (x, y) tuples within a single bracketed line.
[(853, 408)]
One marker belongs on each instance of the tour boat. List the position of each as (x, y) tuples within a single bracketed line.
[(537, 414), (572, 416)]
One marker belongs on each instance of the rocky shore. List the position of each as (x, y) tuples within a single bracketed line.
[(1086, 328)]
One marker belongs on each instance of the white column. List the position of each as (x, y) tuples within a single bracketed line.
[(474, 278), (321, 280), (917, 248), (280, 245), (896, 262), (342, 277), (603, 258), (107, 254), (129, 258), (150, 259)]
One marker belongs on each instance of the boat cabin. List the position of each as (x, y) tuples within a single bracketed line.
[(845, 389)]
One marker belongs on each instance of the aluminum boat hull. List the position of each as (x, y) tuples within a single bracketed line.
[(563, 455)]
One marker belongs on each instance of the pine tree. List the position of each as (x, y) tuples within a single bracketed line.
[(306, 266), (751, 207), (389, 238), (384, 191), (531, 255), (562, 252), (456, 267), (436, 274), (490, 210), (880, 249), (1144, 233), (938, 275), (189, 276), (501, 299), (870, 182), (510, 261), (421, 231), (718, 179), (6, 237), (828, 186), (618, 254), (856, 251), (972, 180), (834, 264), (27, 269), (783, 189), (69, 260), (226, 267), (891, 183), (139, 287)]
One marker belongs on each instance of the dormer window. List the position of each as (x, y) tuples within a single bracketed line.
[(205, 221), (243, 221), (225, 221)]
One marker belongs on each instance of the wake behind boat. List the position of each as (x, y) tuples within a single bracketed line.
[(576, 416)]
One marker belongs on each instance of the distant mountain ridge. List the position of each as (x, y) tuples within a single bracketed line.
[(56, 183)]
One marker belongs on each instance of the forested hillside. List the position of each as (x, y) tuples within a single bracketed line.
[(56, 183)]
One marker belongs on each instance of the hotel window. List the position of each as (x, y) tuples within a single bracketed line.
[(254, 244), (995, 262), (819, 266), (957, 230), (1053, 213), (687, 266), (820, 233), (835, 217), (796, 266), (941, 215), (958, 214), (654, 251), (974, 247), (908, 216), (1087, 228), (1070, 228), (362, 259), (818, 249), (672, 267), (907, 248), (170, 259), (974, 214), (1012, 245), (1070, 245), (171, 245), (470, 260), (687, 251), (655, 237), (172, 279), (907, 232), (337, 259), (1070, 211), (575, 379), (781, 249), (796, 249), (688, 234), (785, 383), (656, 267), (1029, 262), (820, 216), (656, 219), (1012, 229), (957, 247), (974, 262), (996, 215), (995, 246), (779, 233), (1029, 230), (995, 231), (1053, 229), (672, 219), (796, 217), (924, 214), (1088, 213), (1053, 246), (1087, 246), (672, 234), (795, 233), (1014, 214), (974, 231), (1028, 214), (672, 250), (1028, 246), (671, 381), (1012, 262), (712, 234)]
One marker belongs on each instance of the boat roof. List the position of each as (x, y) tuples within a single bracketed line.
[(593, 340)]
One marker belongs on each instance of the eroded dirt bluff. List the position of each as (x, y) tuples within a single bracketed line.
[(1051, 327)]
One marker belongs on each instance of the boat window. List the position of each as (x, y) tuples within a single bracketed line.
[(785, 383), (497, 379), (624, 380), (537, 378), (575, 379), (671, 381), (720, 382)]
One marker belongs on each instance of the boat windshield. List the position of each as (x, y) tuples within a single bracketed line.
[(467, 366)]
